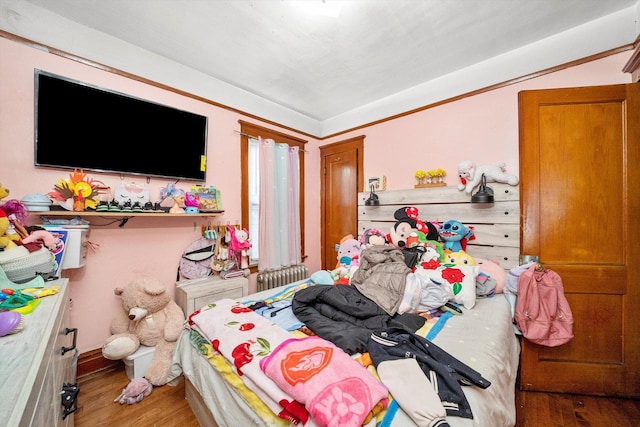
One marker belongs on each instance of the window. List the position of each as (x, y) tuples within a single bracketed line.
[(250, 179)]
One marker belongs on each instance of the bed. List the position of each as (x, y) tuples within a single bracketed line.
[(482, 338)]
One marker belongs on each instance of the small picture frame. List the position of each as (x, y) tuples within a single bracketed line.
[(379, 183)]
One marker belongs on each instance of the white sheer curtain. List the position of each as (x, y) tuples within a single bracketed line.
[(279, 235)]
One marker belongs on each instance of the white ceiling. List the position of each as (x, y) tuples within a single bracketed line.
[(325, 67)]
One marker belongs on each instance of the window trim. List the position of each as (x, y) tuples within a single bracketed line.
[(248, 130)]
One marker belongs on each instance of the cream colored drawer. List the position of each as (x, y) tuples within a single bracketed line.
[(194, 294)]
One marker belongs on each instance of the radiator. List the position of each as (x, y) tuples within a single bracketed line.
[(270, 279)]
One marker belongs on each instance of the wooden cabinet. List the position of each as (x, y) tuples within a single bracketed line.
[(37, 362), (196, 293)]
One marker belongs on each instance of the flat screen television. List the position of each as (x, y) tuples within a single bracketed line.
[(80, 126)]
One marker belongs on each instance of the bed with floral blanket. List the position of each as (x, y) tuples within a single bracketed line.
[(482, 338), (247, 361)]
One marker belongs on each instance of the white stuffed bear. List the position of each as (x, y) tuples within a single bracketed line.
[(471, 175)]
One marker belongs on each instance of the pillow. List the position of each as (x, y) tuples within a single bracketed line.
[(495, 271), (322, 277), (460, 279)]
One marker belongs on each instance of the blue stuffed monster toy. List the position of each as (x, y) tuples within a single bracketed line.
[(455, 235)]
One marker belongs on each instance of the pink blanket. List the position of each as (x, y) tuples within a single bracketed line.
[(244, 338), (336, 390)]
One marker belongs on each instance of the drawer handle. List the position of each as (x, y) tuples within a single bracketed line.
[(67, 331)]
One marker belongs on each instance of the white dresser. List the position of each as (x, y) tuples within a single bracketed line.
[(194, 294), (36, 362)]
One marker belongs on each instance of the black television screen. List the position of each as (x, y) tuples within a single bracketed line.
[(79, 126)]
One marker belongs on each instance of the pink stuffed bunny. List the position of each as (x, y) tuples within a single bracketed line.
[(239, 246)]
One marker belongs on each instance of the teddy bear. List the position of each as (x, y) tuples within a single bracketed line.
[(149, 317), (471, 175)]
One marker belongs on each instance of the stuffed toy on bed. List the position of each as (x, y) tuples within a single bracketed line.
[(348, 259), (407, 221), (494, 271), (455, 235), (371, 237)]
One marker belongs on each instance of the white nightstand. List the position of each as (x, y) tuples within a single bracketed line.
[(194, 294)]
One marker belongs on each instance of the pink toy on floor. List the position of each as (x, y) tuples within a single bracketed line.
[(137, 390)]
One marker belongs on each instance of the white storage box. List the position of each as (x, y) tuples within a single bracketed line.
[(75, 247), (137, 364)]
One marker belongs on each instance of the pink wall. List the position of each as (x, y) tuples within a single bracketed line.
[(144, 246), (483, 128)]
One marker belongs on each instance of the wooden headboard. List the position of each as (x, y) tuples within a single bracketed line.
[(496, 225)]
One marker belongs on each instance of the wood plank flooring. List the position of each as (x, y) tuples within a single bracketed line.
[(164, 407), (167, 407)]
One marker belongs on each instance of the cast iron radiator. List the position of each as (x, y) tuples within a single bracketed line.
[(270, 279)]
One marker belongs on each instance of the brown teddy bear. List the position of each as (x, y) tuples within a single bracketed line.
[(151, 318)]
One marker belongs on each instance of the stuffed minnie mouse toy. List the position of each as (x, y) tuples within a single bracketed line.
[(407, 222)]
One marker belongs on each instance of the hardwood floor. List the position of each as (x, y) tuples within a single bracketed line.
[(167, 407), (164, 407), (535, 409)]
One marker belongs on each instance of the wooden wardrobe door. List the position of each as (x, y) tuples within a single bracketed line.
[(580, 204)]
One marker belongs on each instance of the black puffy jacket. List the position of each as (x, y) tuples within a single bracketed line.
[(342, 315)]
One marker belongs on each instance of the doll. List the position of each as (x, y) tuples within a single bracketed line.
[(176, 194)]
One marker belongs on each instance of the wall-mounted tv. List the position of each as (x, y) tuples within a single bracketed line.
[(80, 126)]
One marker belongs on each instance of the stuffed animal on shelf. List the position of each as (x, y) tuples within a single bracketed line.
[(455, 235), (471, 175), (191, 203), (149, 317)]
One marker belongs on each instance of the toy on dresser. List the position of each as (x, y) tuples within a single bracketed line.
[(12, 215)]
